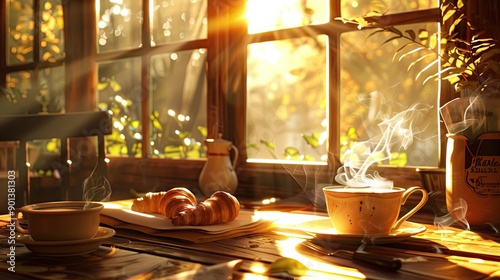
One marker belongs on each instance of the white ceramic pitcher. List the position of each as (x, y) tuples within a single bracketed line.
[(218, 173)]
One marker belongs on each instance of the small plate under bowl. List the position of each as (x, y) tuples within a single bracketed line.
[(66, 248), (323, 229)]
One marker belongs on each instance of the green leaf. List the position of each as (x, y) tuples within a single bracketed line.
[(172, 151), (268, 144), (157, 125), (426, 67), (184, 134), (115, 137), (448, 14), (391, 39), (423, 34), (317, 135), (102, 86), (481, 49), (202, 130), (398, 159), (411, 52), (102, 106), (288, 265), (115, 85), (395, 30), (311, 140), (194, 152), (351, 134), (433, 41), (117, 149), (291, 151), (411, 33), (454, 24), (135, 124), (475, 40), (418, 60), (52, 146)]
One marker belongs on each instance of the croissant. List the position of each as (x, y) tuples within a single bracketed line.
[(221, 207), (179, 205), (167, 203)]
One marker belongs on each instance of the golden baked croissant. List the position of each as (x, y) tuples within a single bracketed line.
[(179, 205), (221, 207), (167, 203)]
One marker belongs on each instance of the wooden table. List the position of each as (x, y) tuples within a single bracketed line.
[(441, 252)]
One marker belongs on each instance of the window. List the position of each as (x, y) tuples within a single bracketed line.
[(33, 57), (32, 68), (308, 75), (285, 81), (167, 107)]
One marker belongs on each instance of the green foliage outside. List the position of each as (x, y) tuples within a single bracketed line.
[(126, 138), (467, 63)]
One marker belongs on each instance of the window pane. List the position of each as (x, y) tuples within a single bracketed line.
[(178, 20), (265, 15), (354, 8), (20, 26), (20, 95), (51, 88), (375, 86), (119, 92), (287, 99), (178, 102), (119, 24), (51, 30)]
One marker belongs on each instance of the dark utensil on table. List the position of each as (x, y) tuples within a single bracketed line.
[(360, 256)]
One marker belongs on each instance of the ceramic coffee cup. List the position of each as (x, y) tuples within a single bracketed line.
[(61, 220), (368, 211)]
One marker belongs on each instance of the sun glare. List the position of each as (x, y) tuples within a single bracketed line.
[(265, 15)]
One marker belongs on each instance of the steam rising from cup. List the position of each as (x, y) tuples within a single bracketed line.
[(397, 133), (96, 188), (474, 114), (464, 115)]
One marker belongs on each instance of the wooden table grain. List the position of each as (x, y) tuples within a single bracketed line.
[(440, 252)]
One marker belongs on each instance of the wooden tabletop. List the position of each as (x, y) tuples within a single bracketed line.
[(440, 252)]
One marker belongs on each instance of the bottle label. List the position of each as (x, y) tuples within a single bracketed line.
[(482, 167)]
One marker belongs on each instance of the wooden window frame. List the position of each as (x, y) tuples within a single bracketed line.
[(226, 78)]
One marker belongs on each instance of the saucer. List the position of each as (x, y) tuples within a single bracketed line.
[(66, 248), (323, 229)]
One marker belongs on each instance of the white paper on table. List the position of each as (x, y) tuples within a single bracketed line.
[(160, 222)]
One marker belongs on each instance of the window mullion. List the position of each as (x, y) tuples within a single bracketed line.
[(36, 33), (145, 76), (80, 67), (3, 46), (235, 97)]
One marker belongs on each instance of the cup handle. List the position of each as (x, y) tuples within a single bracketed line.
[(18, 226), (233, 164), (406, 194)]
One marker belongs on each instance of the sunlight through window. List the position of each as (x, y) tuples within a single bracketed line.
[(265, 15)]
